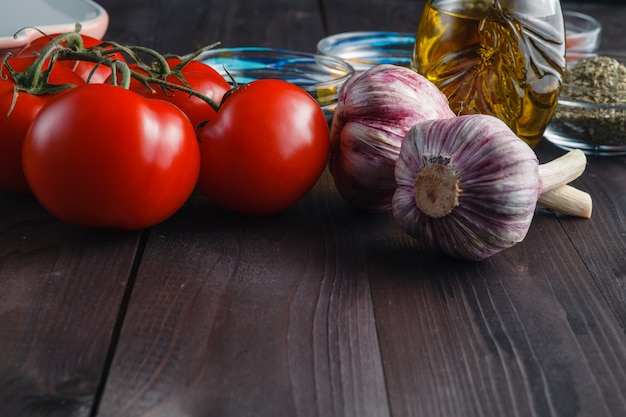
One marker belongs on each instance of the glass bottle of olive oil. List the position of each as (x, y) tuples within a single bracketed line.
[(500, 57)]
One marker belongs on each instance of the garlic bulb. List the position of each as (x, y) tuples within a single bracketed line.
[(468, 186), (375, 110)]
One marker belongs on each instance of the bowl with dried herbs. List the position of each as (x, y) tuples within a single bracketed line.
[(591, 114)]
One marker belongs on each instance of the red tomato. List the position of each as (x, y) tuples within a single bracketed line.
[(83, 68), (14, 123), (103, 156), (265, 149), (201, 78)]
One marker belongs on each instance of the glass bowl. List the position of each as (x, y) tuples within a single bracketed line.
[(321, 76), (582, 32), (366, 49), (591, 116)]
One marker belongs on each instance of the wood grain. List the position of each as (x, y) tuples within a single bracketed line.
[(606, 262), (183, 26), (60, 293), (233, 315), (600, 241), (394, 15), (510, 336)]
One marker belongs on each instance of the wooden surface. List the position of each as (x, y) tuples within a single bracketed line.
[(321, 310)]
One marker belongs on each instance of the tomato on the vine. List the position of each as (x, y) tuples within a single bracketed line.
[(16, 115), (198, 76), (104, 156), (87, 70), (265, 149)]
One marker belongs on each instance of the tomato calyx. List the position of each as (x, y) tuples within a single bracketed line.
[(35, 78)]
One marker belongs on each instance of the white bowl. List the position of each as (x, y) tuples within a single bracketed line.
[(18, 22)]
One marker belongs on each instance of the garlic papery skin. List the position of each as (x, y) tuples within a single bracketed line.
[(375, 110), (466, 186)]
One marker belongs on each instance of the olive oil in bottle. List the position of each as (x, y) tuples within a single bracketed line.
[(500, 57)]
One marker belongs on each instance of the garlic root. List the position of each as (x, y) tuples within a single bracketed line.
[(567, 200), (436, 190)]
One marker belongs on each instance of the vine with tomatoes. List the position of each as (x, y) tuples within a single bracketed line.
[(113, 136)]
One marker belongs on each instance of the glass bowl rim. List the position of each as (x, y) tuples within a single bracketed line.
[(281, 52), (593, 25), (329, 43)]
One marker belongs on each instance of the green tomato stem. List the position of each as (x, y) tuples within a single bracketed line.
[(35, 78), (184, 61), (160, 69), (127, 74)]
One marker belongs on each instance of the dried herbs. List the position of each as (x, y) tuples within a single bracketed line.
[(605, 75), (593, 103)]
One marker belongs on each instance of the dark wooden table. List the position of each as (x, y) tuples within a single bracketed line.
[(321, 310)]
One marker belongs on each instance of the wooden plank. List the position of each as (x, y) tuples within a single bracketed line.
[(233, 315), (606, 183), (60, 292), (236, 315), (394, 15), (183, 26), (524, 333), (511, 336), (600, 240)]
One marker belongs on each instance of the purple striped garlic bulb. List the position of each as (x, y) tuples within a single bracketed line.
[(466, 186), (375, 110)]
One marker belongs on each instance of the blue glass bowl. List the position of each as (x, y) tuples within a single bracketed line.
[(321, 76), (366, 49)]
